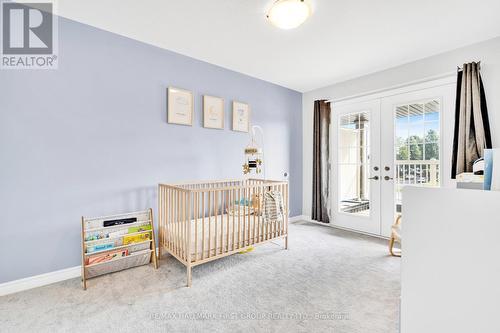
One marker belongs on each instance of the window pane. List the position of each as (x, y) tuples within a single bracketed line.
[(431, 131), (402, 153), (416, 112), (432, 110), (416, 132), (416, 152), (401, 130), (432, 151)]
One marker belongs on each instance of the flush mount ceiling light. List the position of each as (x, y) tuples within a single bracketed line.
[(289, 14)]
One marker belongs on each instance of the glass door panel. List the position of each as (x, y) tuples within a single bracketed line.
[(416, 151), (354, 163), (356, 172)]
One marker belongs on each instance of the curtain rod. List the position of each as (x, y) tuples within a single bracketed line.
[(461, 68)]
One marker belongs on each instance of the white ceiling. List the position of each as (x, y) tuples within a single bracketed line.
[(342, 39)]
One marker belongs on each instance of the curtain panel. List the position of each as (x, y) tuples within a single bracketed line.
[(321, 162), (472, 129)]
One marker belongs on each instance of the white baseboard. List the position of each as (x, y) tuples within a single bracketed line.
[(39, 280)]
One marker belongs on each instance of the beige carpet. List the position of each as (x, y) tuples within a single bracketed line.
[(328, 281)]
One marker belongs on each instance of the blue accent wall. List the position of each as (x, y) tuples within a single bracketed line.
[(91, 138)]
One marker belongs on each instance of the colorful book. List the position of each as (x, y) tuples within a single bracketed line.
[(139, 228), (100, 247), (103, 257), (130, 239), (96, 235)]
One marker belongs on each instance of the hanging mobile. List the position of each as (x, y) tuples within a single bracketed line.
[(254, 154)]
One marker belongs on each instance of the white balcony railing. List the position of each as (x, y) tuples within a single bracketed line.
[(415, 172)]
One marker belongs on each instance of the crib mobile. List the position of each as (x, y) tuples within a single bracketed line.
[(254, 154)]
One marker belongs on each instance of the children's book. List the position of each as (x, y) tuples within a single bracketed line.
[(103, 257), (139, 228), (130, 239), (100, 247)]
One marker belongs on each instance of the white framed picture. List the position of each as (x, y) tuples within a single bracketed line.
[(213, 112), (180, 106), (241, 116)]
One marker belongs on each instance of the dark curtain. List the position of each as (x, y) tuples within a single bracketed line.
[(472, 128), (321, 162)]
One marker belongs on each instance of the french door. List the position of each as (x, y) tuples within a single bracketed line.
[(356, 160), (383, 144)]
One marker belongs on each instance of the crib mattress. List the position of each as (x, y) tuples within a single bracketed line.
[(217, 236)]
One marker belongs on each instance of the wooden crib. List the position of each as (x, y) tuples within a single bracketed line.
[(204, 221)]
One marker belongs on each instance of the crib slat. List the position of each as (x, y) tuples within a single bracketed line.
[(172, 221), (203, 225), (188, 225), (259, 189), (233, 197), (216, 197), (254, 212), (228, 198), (239, 217), (196, 212), (169, 222), (166, 220), (221, 221), (179, 224), (175, 213), (248, 216), (243, 240), (165, 216), (209, 223), (183, 225), (177, 219)]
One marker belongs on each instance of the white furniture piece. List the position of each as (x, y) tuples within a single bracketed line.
[(450, 274)]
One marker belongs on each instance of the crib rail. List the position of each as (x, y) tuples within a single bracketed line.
[(204, 221)]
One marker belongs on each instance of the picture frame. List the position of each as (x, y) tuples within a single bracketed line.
[(213, 112), (180, 106), (241, 116)]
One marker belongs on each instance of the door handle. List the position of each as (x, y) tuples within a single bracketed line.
[(388, 178), (374, 178)]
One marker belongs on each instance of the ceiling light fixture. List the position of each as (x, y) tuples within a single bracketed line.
[(289, 14)]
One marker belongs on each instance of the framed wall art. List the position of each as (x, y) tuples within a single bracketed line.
[(241, 116), (213, 112), (180, 106)]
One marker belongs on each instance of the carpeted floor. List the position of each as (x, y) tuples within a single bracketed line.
[(328, 281)]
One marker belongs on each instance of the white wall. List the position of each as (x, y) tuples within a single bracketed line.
[(487, 52)]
